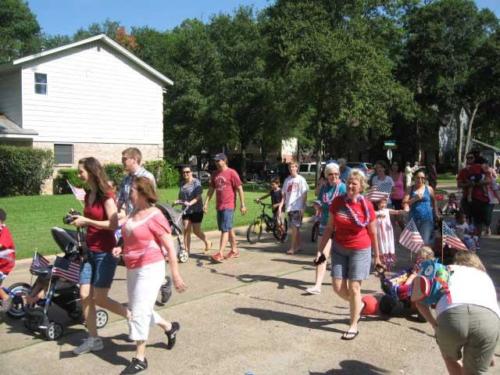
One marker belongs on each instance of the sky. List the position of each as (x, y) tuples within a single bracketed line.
[(67, 16)]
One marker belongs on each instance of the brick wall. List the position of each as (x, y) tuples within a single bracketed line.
[(104, 152)]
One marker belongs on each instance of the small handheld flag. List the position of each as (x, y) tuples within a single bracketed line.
[(451, 239), (378, 192), (79, 193), (410, 237)]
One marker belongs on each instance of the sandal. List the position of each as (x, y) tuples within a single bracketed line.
[(217, 258), (232, 254), (349, 335)]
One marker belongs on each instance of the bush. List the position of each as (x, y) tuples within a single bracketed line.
[(24, 169), (115, 173), (63, 175), (165, 173)]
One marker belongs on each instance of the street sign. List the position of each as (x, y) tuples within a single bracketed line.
[(390, 144), (389, 155)]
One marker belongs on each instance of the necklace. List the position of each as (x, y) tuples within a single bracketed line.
[(329, 199), (355, 216)]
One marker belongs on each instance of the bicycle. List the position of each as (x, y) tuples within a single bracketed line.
[(272, 224)]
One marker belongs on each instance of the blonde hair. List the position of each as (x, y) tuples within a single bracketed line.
[(134, 153), (425, 253), (360, 176), (468, 259)]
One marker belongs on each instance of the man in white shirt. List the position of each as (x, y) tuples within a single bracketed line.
[(294, 199)]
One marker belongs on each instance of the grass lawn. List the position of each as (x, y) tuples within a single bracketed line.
[(30, 218)]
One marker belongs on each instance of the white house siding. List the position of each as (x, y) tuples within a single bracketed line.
[(93, 96), (10, 96)]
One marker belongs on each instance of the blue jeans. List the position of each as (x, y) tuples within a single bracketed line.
[(426, 230)]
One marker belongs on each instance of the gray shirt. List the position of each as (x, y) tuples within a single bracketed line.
[(190, 191), (124, 194)]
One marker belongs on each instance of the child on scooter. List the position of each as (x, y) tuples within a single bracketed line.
[(7, 258)]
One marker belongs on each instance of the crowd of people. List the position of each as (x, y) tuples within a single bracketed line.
[(355, 229)]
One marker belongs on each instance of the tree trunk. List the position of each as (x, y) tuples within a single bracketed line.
[(319, 148), (469, 130), (243, 162), (460, 140)]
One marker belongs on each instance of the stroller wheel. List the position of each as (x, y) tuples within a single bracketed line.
[(183, 256), (53, 331), (101, 318), (18, 290)]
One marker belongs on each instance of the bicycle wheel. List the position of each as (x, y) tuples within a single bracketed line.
[(254, 231), (315, 232), (280, 230)]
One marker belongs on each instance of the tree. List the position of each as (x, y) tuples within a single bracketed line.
[(19, 30), (340, 75), (442, 39)]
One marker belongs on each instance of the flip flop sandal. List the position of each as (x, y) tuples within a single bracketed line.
[(232, 254), (349, 335), (217, 258)]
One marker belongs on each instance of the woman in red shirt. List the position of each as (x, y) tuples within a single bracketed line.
[(352, 224), (98, 269), (7, 259)]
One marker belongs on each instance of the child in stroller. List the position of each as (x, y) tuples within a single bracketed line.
[(58, 284), (397, 289)]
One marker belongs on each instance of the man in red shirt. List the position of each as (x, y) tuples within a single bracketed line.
[(225, 182)]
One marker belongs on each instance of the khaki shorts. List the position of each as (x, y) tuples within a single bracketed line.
[(471, 329)]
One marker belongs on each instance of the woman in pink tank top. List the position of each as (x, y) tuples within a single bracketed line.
[(398, 191)]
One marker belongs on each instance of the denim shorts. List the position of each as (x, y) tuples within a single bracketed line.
[(98, 270), (225, 220), (350, 264)]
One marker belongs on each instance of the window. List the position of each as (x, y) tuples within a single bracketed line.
[(63, 154), (41, 83)]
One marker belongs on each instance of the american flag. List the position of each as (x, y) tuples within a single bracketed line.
[(66, 269), (378, 192), (79, 193), (410, 237), (38, 262), (451, 239)]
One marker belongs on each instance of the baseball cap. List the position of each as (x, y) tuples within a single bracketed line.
[(220, 156)]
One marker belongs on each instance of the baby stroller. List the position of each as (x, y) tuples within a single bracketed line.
[(397, 293), (175, 220), (60, 282)]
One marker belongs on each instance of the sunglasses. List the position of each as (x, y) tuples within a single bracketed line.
[(333, 174), (186, 172)]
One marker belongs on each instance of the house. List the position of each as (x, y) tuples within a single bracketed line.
[(89, 98)]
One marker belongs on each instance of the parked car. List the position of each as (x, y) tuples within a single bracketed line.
[(308, 170), (367, 168)]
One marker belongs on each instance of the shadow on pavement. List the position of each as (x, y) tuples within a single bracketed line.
[(109, 354), (293, 319), (353, 367)]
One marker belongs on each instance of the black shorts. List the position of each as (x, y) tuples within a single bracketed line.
[(195, 217)]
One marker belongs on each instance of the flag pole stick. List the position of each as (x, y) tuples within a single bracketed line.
[(442, 244)]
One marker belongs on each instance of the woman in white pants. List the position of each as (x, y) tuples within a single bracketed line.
[(145, 232)]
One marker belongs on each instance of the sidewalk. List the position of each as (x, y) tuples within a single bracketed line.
[(249, 314)]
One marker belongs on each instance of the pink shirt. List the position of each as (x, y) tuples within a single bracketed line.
[(225, 184), (142, 244)]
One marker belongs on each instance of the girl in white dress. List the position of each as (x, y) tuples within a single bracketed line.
[(385, 234)]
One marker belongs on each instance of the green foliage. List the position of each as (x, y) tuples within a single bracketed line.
[(23, 170), (19, 30), (165, 173), (63, 177), (115, 173)]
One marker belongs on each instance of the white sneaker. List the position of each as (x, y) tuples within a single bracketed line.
[(313, 290), (90, 344)]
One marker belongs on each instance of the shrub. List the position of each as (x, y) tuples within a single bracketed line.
[(24, 169), (63, 175), (115, 173), (165, 173)]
